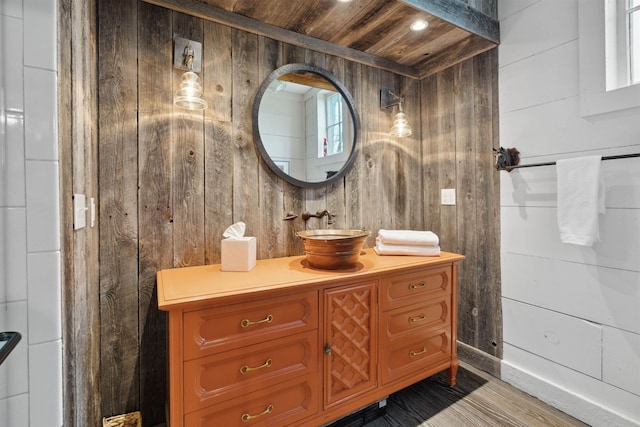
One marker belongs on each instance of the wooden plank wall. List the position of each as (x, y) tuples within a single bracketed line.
[(460, 129), (171, 181), (78, 154)]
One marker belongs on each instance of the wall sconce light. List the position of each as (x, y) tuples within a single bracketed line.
[(400, 126), (187, 55)]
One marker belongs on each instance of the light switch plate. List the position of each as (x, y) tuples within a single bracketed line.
[(79, 211), (448, 196)]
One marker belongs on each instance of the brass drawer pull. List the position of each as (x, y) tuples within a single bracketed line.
[(245, 369), (416, 319), (414, 286), (246, 417), (413, 354), (246, 322)]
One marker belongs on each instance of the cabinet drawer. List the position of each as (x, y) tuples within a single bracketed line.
[(404, 289), (424, 316), (227, 375), (225, 328), (415, 353), (284, 403)]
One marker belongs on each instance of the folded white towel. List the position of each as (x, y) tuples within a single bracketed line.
[(580, 199), (409, 237), (385, 249)]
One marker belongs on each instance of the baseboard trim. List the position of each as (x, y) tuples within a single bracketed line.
[(479, 359), (570, 403)]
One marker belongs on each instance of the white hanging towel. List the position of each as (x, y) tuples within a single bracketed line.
[(580, 199)]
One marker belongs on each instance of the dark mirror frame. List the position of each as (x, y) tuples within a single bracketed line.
[(292, 68)]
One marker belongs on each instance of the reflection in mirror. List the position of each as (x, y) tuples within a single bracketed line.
[(305, 127)]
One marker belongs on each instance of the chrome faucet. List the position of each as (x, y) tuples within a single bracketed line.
[(306, 215)]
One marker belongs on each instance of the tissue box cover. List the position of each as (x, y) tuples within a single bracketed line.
[(238, 254)]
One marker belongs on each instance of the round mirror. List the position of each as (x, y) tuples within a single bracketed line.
[(305, 125)]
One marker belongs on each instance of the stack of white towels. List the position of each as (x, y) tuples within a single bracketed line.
[(407, 242)]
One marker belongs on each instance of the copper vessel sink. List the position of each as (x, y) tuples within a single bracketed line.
[(333, 249)]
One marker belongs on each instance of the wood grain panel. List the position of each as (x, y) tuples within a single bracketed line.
[(78, 155), (466, 226), (487, 193), (188, 164), (218, 139), (446, 155), (370, 148), (245, 162), (353, 180), (430, 167), (155, 206), (118, 178)]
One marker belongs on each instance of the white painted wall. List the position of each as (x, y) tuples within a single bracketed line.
[(571, 313), (31, 377)]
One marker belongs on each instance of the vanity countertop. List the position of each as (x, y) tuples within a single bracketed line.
[(180, 288)]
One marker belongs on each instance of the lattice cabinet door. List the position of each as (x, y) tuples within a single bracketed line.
[(350, 341)]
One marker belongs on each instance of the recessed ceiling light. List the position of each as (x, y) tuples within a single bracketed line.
[(419, 25), (344, 1)]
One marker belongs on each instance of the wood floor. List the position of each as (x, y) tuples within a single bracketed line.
[(477, 400)]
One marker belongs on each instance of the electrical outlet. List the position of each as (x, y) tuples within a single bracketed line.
[(448, 196)]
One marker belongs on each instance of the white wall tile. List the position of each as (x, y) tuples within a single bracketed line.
[(606, 296), (45, 385), (11, 8), (15, 411), (563, 339), (40, 40), (31, 372), (15, 235), (11, 64), (40, 114), (533, 29), (43, 212), (546, 77), (14, 371), (44, 297), (621, 350), (13, 187)]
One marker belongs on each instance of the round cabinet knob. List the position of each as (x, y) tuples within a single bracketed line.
[(327, 349)]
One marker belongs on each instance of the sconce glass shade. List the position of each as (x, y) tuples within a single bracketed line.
[(400, 125), (189, 96)]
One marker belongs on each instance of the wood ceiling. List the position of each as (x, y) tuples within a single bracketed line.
[(375, 32)]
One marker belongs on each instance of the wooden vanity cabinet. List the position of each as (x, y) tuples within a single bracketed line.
[(285, 344)]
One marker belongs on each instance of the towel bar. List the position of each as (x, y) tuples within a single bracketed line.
[(502, 163)]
